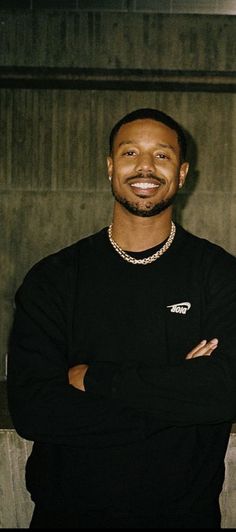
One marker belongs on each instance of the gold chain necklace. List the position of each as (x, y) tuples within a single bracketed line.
[(146, 260)]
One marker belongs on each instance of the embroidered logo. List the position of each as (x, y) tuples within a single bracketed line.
[(180, 308)]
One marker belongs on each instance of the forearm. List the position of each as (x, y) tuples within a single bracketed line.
[(197, 391)]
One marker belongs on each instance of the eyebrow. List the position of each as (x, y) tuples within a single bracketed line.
[(159, 145), (125, 142)]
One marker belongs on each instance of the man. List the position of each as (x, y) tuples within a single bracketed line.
[(122, 355)]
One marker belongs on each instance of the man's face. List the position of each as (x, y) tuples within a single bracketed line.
[(145, 167)]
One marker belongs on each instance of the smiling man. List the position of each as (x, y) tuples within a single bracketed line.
[(146, 169), (122, 355), (145, 161)]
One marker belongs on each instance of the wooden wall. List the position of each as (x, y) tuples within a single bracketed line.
[(65, 77)]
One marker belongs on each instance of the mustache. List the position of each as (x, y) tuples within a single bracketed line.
[(143, 175)]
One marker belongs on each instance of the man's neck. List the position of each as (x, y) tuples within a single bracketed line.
[(136, 233)]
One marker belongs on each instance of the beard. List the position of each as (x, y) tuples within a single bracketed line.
[(150, 210)]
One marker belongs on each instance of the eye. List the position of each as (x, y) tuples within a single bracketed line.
[(161, 156), (129, 153)]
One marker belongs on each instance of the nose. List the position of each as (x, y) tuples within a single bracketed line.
[(145, 163)]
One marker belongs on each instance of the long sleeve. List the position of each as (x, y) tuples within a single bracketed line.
[(43, 405), (87, 305), (134, 346)]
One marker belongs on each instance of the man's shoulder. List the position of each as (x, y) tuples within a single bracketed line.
[(208, 249), (63, 260)]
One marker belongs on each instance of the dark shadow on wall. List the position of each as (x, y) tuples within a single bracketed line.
[(191, 180)]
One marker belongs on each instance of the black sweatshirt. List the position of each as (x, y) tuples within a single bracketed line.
[(151, 429)]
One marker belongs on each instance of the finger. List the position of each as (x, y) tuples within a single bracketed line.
[(205, 350), (196, 349), (212, 346), (205, 353)]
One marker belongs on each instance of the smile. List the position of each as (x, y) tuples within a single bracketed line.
[(144, 186)]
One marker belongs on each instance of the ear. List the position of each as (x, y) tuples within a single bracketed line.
[(110, 165), (183, 173)]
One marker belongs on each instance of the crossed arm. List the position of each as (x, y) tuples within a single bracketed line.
[(77, 373)]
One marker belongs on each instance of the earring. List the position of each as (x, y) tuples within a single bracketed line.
[(110, 177), (180, 184)]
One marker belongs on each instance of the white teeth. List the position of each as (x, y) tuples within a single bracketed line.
[(144, 185)]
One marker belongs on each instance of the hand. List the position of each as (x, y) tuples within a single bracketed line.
[(204, 348), (76, 376)]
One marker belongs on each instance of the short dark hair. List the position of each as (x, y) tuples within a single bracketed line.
[(154, 114)]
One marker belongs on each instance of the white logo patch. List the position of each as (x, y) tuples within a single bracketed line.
[(180, 308)]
